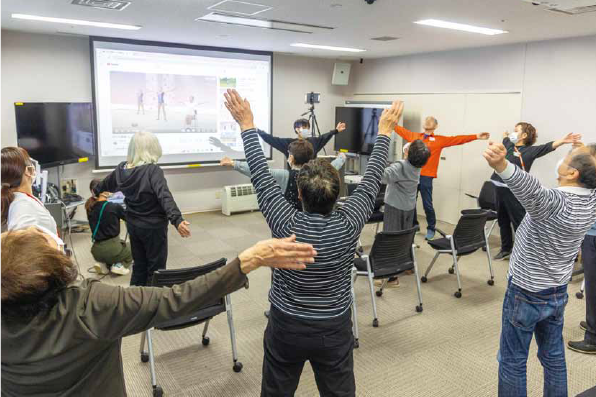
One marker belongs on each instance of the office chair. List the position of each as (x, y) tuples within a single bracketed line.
[(168, 278), (468, 237), (392, 253), (487, 200)]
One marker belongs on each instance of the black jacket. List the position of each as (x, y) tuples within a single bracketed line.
[(282, 144), (528, 154), (109, 225), (148, 200)]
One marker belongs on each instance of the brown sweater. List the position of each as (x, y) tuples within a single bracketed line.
[(74, 349)]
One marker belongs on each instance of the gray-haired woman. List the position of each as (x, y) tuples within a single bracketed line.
[(149, 205)]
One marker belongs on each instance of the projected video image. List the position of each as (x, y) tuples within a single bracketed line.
[(163, 103)]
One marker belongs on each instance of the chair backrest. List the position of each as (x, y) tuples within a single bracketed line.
[(469, 232), (168, 278), (487, 199), (391, 252)]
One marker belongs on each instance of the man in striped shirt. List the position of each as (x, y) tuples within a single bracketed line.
[(310, 310), (547, 242)]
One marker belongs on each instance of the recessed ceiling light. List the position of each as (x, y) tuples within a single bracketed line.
[(459, 26), (76, 22), (327, 47)]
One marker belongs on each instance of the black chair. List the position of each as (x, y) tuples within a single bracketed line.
[(468, 237), (487, 200), (168, 278), (392, 253)]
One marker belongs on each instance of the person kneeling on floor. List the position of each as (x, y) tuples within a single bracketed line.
[(112, 254)]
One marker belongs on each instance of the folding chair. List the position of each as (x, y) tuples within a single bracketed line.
[(487, 200), (168, 278), (392, 253), (468, 237)]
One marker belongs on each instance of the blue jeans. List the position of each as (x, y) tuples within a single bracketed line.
[(425, 187), (526, 314)]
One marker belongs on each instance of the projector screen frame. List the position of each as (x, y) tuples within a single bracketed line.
[(92, 39)]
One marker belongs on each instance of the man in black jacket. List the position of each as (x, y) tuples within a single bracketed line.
[(301, 128)]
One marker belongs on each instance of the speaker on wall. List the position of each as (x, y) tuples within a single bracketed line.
[(341, 73)]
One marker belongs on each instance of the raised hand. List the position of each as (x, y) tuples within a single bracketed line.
[(341, 127), (226, 162), (277, 253), (390, 117), (570, 138), (495, 156), (483, 136), (183, 229), (239, 109)]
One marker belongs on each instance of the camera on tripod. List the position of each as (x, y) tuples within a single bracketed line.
[(312, 98)]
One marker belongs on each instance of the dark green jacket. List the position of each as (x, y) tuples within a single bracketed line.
[(74, 349)]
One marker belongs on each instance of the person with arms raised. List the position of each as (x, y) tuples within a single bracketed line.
[(61, 337), (310, 317), (436, 144), (541, 265)]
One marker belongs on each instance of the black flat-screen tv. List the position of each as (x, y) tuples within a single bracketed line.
[(55, 133), (362, 128)]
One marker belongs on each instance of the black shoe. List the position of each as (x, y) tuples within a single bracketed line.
[(582, 347), (266, 313), (502, 255), (583, 325)]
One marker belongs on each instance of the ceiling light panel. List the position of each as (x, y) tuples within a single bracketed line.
[(459, 26), (239, 7), (327, 47), (78, 22)]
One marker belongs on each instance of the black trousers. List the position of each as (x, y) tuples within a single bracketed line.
[(149, 248), (510, 213), (290, 341), (589, 259)]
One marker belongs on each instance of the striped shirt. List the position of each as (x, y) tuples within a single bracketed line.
[(549, 237), (322, 290)]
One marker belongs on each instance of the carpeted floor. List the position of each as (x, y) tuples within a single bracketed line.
[(448, 350)]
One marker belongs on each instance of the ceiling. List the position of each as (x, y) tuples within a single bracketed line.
[(354, 23)]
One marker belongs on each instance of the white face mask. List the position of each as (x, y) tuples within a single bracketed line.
[(557, 168), (304, 131), (513, 137)]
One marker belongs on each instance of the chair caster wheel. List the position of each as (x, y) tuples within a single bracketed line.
[(484, 249), (206, 341), (423, 279), (237, 367), (375, 323), (157, 391), (356, 344), (491, 282), (144, 357), (419, 309), (457, 294), (579, 295), (379, 293), (451, 270)]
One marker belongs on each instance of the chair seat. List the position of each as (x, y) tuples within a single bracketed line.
[(376, 217), (443, 244), (360, 264), (492, 216)]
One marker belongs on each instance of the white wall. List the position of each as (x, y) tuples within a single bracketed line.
[(37, 68)]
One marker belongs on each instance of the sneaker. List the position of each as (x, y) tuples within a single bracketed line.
[(393, 283), (583, 325), (101, 268), (430, 234), (502, 255), (582, 347), (118, 268)]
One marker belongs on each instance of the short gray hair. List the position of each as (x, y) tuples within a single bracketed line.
[(144, 148)]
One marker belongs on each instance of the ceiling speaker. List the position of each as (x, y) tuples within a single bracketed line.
[(341, 73)]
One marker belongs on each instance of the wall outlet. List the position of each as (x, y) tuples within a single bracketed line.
[(218, 194)]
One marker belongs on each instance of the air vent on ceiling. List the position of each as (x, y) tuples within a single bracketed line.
[(569, 7), (385, 38), (103, 4), (239, 7)]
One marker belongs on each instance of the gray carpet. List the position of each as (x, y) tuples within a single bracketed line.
[(448, 350)]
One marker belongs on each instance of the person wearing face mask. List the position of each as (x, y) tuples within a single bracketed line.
[(521, 152), (302, 130), (301, 152), (435, 143), (20, 208)]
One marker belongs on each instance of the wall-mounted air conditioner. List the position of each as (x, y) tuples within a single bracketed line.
[(237, 198)]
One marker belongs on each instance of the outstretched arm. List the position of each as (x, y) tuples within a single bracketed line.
[(319, 142), (447, 141), (280, 176), (281, 144), (108, 184), (277, 211), (538, 201), (360, 205), (406, 134)]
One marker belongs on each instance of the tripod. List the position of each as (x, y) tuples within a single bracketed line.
[(372, 128), (312, 120)]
